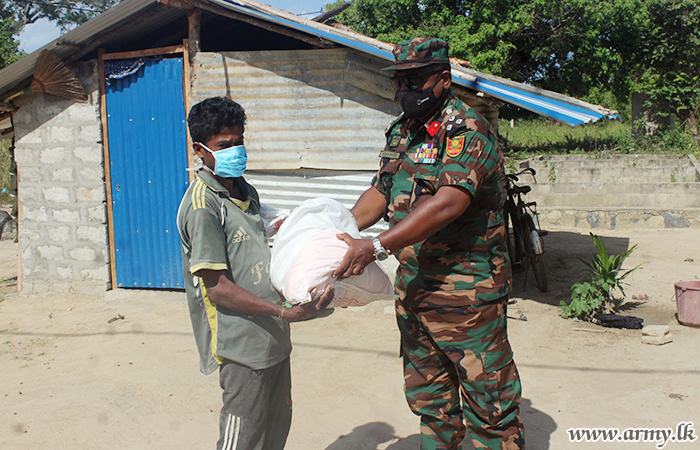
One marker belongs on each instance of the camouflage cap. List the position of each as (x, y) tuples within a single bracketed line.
[(420, 52)]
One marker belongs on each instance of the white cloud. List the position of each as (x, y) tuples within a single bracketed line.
[(38, 34)]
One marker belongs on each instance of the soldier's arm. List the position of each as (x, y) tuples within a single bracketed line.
[(369, 208), (448, 203)]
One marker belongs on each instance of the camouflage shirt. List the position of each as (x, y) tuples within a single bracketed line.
[(466, 262)]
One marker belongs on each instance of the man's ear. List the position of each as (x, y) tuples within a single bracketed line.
[(198, 149), (446, 78)]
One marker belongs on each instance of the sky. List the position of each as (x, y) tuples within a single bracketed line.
[(36, 35)]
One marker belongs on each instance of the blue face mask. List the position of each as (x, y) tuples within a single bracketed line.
[(229, 162)]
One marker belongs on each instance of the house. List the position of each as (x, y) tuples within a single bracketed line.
[(100, 174)]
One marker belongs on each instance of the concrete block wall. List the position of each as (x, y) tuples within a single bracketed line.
[(630, 191), (62, 216)]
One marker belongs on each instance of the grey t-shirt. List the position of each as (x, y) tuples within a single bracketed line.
[(221, 233)]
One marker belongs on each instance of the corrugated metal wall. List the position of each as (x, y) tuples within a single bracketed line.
[(148, 155), (303, 107), (286, 190)]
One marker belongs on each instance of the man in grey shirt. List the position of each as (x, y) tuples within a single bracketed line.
[(240, 321)]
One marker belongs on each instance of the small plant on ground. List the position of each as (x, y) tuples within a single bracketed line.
[(598, 295)]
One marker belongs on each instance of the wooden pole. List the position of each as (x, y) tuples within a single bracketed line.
[(187, 94), (108, 176), (194, 20)]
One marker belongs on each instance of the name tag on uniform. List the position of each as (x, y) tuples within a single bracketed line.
[(389, 154)]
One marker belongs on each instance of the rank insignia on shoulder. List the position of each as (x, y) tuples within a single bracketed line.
[(389, 154), (433, 128), (455, 146), (394, 140), (458, 121)]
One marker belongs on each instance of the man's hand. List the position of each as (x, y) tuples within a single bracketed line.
[(300, 312), (360, 253)]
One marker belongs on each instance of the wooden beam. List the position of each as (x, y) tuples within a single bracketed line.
[(108, 174), (194, 20), (141, 53), (187, 94), (116, 33), (221, 11)]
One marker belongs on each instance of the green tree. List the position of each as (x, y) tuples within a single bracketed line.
[(9, 29), (584, 48), (671, 60), (65, 13)]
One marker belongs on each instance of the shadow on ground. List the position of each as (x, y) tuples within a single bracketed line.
[(380, 436)]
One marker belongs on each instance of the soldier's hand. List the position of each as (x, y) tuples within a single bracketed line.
[(360, 253)]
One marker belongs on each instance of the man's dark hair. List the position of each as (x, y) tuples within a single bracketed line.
[(211, 116)]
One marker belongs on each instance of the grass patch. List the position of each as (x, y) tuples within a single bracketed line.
[(539, 136)]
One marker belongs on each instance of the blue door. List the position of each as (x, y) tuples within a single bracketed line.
[(148, 161)]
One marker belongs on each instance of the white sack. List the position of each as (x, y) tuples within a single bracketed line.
[(272, 219), (306, 252)]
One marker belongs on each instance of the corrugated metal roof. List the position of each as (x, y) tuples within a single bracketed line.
[(70, 43), (550, 104)]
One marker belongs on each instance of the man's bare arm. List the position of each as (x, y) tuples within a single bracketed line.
[(223, 292)]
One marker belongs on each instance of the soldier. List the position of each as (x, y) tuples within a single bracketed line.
[(239, 320), (438, 187)]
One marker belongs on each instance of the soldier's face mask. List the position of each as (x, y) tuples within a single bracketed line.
[(416, 104)]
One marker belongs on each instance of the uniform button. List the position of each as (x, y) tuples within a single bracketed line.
[(470, 182), (457, 178)]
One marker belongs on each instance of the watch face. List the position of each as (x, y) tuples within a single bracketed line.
[(381, 256)]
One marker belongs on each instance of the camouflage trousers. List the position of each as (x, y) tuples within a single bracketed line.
[(459, 374)]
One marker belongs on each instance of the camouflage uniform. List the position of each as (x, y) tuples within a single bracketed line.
[(453, 286)]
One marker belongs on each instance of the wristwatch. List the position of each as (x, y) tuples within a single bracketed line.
[(380, 253)]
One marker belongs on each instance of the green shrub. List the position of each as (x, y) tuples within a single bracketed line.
[(598, 295)]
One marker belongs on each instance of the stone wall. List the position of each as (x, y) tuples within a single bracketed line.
[(62, 217)]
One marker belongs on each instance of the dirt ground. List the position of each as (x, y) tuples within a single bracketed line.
[(70, 379)]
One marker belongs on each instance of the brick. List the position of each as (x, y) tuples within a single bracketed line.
[(89, 154), (82, 113), (60, 234), (51, 252), (25, 155), (21, 117), (64, 174), (56, 195), (66, 216), (34, 214), (100, 274), (25, 137), (97, 214), (89, 195), (29, 194), (92, 174), (90, 133), (96, 234), (64, 272), (61, 134), (53, 155), (83, 254), (30, 174), (31, 234)]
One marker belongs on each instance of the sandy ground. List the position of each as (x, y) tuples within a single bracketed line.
[(71, 380)]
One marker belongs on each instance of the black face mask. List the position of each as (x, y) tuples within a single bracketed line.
[(416, 104)]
